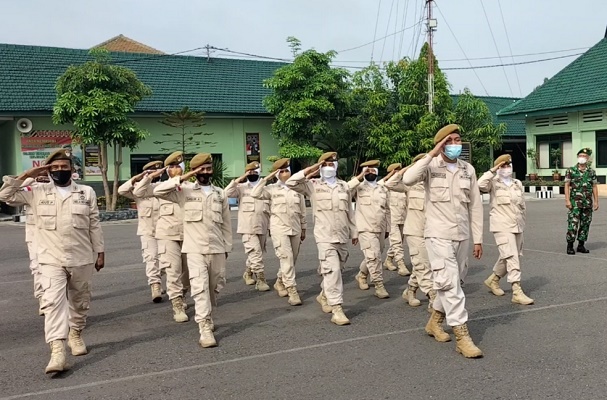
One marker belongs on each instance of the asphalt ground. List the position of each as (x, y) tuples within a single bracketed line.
[(554, 349)]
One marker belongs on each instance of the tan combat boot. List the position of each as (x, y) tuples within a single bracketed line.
[(339, 318), (294, 299), (380, 291), (179, 314), (402, 268), (248, 277), (434, 327), (518, 296), (280, 288), (409, 296), (207, 339), (431, 296), (75, 342), (361, 279), (389, 264), (261, 285), (465, 346), (322, 300), (57, 362), (156, 292), (493, 283)]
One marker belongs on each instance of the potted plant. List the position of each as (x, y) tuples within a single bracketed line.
[(556, 157), (532, 154)]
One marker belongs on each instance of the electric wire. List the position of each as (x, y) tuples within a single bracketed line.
[(518, 82), (374, 35), (496, 46), (381, 58)]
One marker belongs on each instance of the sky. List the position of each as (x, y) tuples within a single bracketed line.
[(469, 32)]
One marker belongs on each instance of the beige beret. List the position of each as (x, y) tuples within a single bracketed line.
[(446, 131), (200, 159), (329, 156), (505, 158), (371, 164), (152, 165), (252, 166), (392, 167), (418, 157), (62, 154), (174, 158), (280, 164)]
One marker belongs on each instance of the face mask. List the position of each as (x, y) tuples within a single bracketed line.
[(252, 178), (505, 172), (371, 177), (582, 160), (182, 166), (204, 179), (61, 178), (328, 172), (453, 151)]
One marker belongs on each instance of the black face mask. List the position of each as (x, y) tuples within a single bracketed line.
[(252, 178), (62, 177), (371, 177), (204, 179)]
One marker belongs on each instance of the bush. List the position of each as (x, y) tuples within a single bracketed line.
[(540, 182), (121, 202)]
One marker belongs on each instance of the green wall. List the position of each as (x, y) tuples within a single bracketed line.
[(10, 148)]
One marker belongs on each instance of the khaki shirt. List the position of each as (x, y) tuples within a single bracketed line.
[(398, 206), (170, 217), (68, 233), (206, 217), (287, 208), (453, 201), (508, 211), (253, 214), (332, 208), (415, 222), (147, 209), (372, 206)]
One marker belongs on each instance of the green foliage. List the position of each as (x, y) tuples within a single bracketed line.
[(541, 182), (219, 173), (121, 202), (185, 140)]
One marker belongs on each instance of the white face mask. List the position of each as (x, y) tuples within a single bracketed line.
[(328, 172), (182, 166), (582, 160), (505, 172)]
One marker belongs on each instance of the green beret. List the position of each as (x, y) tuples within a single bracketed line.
[(586, 151), (62, 154)]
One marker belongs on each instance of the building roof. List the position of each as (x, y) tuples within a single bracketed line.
[(127, 45), (515, 126), (580, 85), (214, 85)]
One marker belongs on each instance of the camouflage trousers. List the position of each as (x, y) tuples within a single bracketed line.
[(578, 224)]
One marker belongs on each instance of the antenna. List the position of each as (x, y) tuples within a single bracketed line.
[(431, 26)]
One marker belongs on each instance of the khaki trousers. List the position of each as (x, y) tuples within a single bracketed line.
[(254, 246), (207, 277), (65, 299), (396, 250), (372, 245), (510, 246), (175, 265), (333, 257), (287, 249), (31, 249), (421, 275), (446, 257), (149, 251)]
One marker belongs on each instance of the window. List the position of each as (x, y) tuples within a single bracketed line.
[(547, 144), (601, 149)]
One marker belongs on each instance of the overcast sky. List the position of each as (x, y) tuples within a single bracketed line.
[(261, 26)]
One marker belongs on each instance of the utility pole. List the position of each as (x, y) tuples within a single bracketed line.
[(431, 26)]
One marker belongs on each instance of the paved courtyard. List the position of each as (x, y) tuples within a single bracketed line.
[(554, 349)]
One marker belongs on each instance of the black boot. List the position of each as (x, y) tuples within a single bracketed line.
[(570, 248), (581, 248)]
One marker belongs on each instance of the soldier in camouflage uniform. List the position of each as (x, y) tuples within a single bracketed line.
[(581, 196)]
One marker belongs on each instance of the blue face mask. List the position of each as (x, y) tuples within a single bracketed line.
[(453, 151)]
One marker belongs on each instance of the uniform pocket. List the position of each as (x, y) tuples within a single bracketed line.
[(247, 205), (47, 217), (344, 201), (192, 212), (438, 191), (502, 197), (279, 205), (323, 201), (503, 245), (217, 210), (80, 216), (144, 211), (166, 209), (416, 204)]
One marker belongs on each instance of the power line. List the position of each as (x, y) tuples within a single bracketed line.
[(511, 64), (387, 27), (402, 35), (395, 28), (496, 47), (374, 35), (519, 55), (509, 47), (378, 39)]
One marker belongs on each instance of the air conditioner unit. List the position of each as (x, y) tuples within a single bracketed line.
[(24, 125)]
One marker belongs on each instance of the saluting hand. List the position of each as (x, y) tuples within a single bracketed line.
[(312, 171), (272, 175), (439, 147), (157, 173), (35, 172), (498, 166), (190, 174)]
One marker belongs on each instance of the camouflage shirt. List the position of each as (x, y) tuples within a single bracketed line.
[(580, 186)]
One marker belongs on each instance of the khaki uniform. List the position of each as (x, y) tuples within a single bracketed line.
[(413, 229), (68, 238), (147, 213), (334, 227), (372, 222), (507, 222), (253, 221), (287, 220), (398, 215), (169, 236), (207, 239), (453, 212)]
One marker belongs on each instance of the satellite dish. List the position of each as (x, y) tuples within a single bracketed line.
[(24, 125)]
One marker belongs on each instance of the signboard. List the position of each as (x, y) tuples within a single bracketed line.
[(253, 148), (38, 145), (91, 160), (466, 152)]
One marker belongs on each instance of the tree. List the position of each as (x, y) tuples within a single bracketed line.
[(307, 97), (97, 98), (184, 120)]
